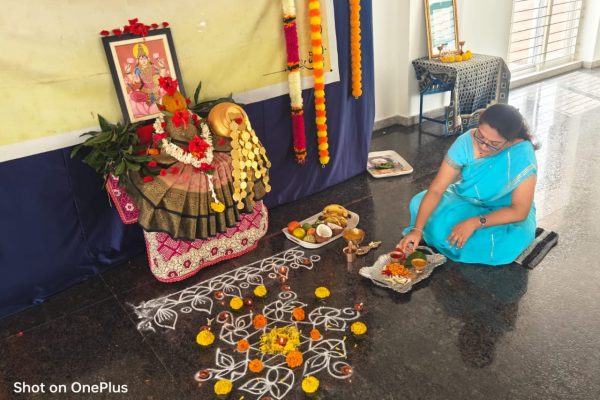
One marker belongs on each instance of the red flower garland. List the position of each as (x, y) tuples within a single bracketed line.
[(134, 27), (293, 66)]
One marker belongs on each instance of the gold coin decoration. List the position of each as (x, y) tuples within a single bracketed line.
[(249, 162)]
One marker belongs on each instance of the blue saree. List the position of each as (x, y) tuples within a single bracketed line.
[(486, 185)]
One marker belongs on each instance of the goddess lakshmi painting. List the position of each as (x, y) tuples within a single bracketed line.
[(136, 65)]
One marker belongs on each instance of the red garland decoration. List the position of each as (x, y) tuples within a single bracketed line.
[(293, 67), (134, 27)]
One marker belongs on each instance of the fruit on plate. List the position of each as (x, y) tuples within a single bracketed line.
[(336, 209), (306, 226), (310, 238), (292, 225), (336, 229), (299, 233), (323, 233), (311, 231), (415, 255), (333, 218)]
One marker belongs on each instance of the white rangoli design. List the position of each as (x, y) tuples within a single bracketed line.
[(277, 379)]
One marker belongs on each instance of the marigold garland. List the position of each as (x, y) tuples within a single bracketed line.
[(316, 40), (355, 50), (290, 31)]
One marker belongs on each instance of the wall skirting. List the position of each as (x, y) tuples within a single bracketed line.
[(407, 120), (591, 64)]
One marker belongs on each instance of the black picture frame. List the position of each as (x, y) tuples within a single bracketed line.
[(134, 106)]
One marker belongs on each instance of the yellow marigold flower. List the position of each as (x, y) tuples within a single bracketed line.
[(310, 384), (223, 387), (217, 207), (358, 328), (236, 303), (205, 338), (322, 292), (260, 291)]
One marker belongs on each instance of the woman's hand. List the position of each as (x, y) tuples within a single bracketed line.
[(409, 243), (462, 232)]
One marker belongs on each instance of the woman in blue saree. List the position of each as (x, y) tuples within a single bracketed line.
[(479, 208)]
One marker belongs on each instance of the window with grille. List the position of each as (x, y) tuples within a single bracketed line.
[(543, 34)]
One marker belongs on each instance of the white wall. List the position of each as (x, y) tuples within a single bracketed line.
[(389, 32), (589, 37), (400, 37)]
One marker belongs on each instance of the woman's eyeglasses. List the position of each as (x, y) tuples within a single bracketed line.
[(481, 140)]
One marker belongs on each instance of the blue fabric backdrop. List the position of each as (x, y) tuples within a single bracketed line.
[(58, 228)]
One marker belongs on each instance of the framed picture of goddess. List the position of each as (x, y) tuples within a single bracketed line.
[(136, 64)]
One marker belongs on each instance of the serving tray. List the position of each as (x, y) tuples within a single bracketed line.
[(352, 222), (374, 272), (400, 165)]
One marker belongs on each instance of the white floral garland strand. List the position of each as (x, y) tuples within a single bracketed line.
[(188, 158)]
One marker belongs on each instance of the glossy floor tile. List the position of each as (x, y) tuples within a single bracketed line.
[(466, 332)]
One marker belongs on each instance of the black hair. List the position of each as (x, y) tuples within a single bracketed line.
[(508, 121)]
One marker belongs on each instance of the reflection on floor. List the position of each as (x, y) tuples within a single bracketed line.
[(467, 332)]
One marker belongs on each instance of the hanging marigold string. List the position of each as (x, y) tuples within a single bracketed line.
[(316, 40), (293, 65), (355, 48)]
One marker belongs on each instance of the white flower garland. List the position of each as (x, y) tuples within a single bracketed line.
[(186, 157)]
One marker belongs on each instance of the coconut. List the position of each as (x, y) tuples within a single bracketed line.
[(323, 233), (336, 229)]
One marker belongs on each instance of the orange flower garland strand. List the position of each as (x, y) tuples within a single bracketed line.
[(355, 51), (316, 40)]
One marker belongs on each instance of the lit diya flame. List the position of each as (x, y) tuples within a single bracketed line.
[(223, 317), (248, 301), (285, 287), (346, 370), (359, 307), (219, 295), (282, 270), (282, 341), (201, 375)]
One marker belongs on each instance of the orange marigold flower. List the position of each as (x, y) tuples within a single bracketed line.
[(294, 359), (259, 321), (243, 345), (255, 365), (298, 314), (315, 334)]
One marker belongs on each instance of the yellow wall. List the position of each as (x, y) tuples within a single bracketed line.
[(55, 76)]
